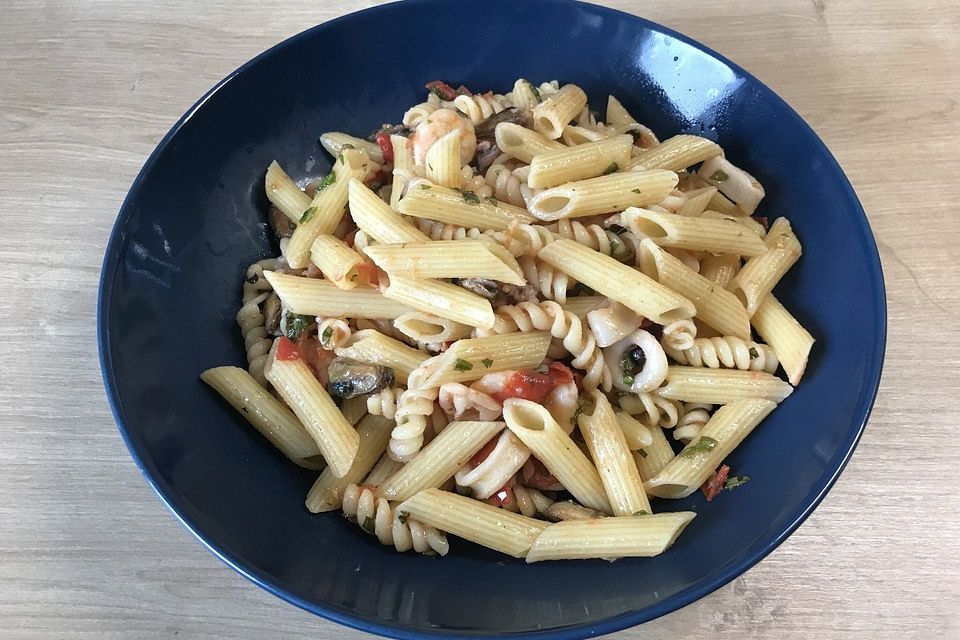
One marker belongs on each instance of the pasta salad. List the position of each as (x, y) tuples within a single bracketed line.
[(510, 321)]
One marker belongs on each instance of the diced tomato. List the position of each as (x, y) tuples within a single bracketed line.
[(714, 484), (764, 222), (534, 386), (316, 357), (383, 140), (350, 238), (367, 273), (560, 374), (286, 350), (442, 89), (484, 452), (503, 496), (535, 475)]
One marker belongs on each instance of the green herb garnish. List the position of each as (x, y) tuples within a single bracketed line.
[(736, 481), (487, 362), (493, 201), (307, 214), (581, 289), (635, 191), (643, 454), (328, 180), (613, 168), (424, 187), (534, 90), (469, 197), (754, 353), (368, 525), (325, 336), (295, 324), (628, 380), (436, 91), (462, 365), (402, 517), (640, 513), (461, 113), (704, 444), (719, 176), (346, 146)]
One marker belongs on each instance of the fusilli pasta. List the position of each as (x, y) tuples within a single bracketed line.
[(377, 516), (727, 352), (250, 317)]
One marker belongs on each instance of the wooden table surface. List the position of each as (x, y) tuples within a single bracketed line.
[(88, 89)]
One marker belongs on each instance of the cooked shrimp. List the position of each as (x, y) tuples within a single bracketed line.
[(438, 124)]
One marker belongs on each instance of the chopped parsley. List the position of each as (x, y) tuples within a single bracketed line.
[(754, 353), (325, 336), (462, 365), (461, 113), (581, 289), (402, 517), (613, 168), (328, 180), (628, 380), (643, 454), (635, 190), (719, 176), (368, 525), (346, 146), (641, 513), (736, 481), (493, 201), (308, 213), (435, 90), (469, 197), (253, 279), (534, 91), (424, 187), (295, 324), (487, 362), (704, 444)]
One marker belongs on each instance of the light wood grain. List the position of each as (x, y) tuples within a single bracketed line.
[(87, 90)]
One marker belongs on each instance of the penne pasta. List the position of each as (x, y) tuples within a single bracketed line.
[(582, 305), (268, 415), (725, 430), (577, 163), (693, 234), (537, 429), (676, 153), (609, 538), (654, 457), (448, 259), (721, 386), (715, 306), (439, 460), (384, 468), (734, 183), (443, 161), (760, 274), (618, 282), (335, 142), (719, 269), (441, 299), (636, 434), (472, 358), (522, 143), (478, 522), (372, 347), (696, 201), (326, 494), (313, 297), (605, 194), (608, 447), (376, 218), (461, 208), (284, 194), (295, 383), (427, 328), (339, 264), (790, 341), (553, 114)]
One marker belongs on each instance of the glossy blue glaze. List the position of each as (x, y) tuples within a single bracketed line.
[(194, 219)]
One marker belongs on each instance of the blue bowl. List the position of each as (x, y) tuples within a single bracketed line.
[(194, 219)]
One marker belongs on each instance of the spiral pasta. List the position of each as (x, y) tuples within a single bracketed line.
[(506, 185), (414, 407), (727, 352), (251, 320), (692, 418), (545, 278), (460, 402), (679, 335), (377, 516), (334, 333), (474, 183), (415, 114), (528, 501), (563, 325), (651, 409), (384, 402), (479, 107)]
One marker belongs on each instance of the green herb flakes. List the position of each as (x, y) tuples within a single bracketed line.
[(487, 362), (493, 201), (613, 168), (754, 353), (308, 214), (328, 180), (295, 324), (368, 525), (736, 481), (461, 113), (719, 176), (534, 91), (704, 445), (470, 198), (325, 336), (637, 191), (643, 454), (462, 365), (425, 187), (641, 513), (628, 380), (402, 517)]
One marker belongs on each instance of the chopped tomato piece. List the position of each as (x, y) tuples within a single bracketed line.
[(536, 475), (534, 386), (350, 238), (367, 273), (714, 484), (442, 89), (383, 140), (484, 452), (764, 222), (560, 374), (316, 357), (286, 350)]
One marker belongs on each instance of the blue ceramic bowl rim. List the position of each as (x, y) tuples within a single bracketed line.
[(609, 625)]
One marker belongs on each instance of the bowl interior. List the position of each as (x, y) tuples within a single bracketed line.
[(194, 220)]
